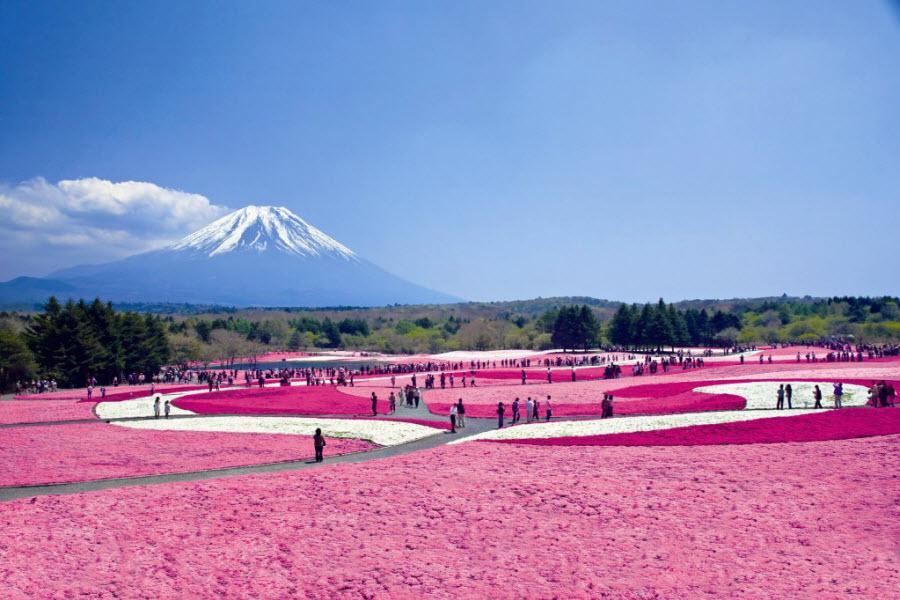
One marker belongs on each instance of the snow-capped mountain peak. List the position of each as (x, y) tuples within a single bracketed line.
[(260, 229)]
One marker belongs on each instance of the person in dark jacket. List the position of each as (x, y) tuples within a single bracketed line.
[(319, 443)]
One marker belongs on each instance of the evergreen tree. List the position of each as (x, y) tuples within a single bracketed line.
[(16, 361), (331, 332), (622, 326), (563, 335), (589, 328), (680, 333), (659, 330), (642, 327)]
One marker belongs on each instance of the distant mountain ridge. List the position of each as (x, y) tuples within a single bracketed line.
[(256, 256)]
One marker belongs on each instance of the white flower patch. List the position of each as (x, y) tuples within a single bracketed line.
[(555, 429), (383, 433), (137, 407), (763, 394)]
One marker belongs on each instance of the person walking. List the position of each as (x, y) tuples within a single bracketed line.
[(515, 411), (788, 393), (460, 413), (374, 404), (453, 412), (500, 412), (392, 402), (817, 396), (167, 407), (529, 408), (319, 444), (548, 408), (156, 407), (780, 403), (536, 415), (838, 395)]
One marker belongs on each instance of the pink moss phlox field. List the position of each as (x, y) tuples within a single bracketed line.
[(828, 425), (679, 403), (484, 521), (86, 451), (124, 392), (289, 400), (39, 411)]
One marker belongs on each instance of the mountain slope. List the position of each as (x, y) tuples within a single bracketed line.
[(256, 256)]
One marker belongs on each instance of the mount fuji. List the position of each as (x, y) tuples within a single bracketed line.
[(255, 256)]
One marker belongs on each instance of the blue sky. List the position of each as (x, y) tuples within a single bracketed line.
[(626, 150)]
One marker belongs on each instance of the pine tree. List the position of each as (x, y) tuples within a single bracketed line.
[(622, 326), (680, 333)]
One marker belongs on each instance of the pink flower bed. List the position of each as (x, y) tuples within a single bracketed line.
[(828, 425), (297, 400), (484, 521), (130, 394), (123, 392), (583, 398), (85, 451), (651, 394), (37, 411)]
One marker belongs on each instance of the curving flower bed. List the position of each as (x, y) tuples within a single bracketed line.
[(122, 392), (383, 432), (87, 451), (599, 427), (41, 411), (820, 426), (295, 400)]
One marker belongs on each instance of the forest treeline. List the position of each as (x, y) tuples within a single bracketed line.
[(73, 340)]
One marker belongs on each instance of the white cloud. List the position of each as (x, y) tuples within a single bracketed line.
[(47, 226)]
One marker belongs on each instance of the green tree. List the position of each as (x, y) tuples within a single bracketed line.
[(16, 360), (622, 326)]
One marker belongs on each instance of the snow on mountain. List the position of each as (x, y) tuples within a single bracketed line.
[(259, 228)]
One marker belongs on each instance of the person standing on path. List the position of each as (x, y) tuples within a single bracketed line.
[(460, 413), (501, 410), (515, 411), (536, 415), (319, 444), (838, 395), (529, 409), (523, 376), (156, 407), (548, 409), (374, 404), (167, 407), (453, 413), (788, 394), (392, 402), (817, 395), (780, 403)]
